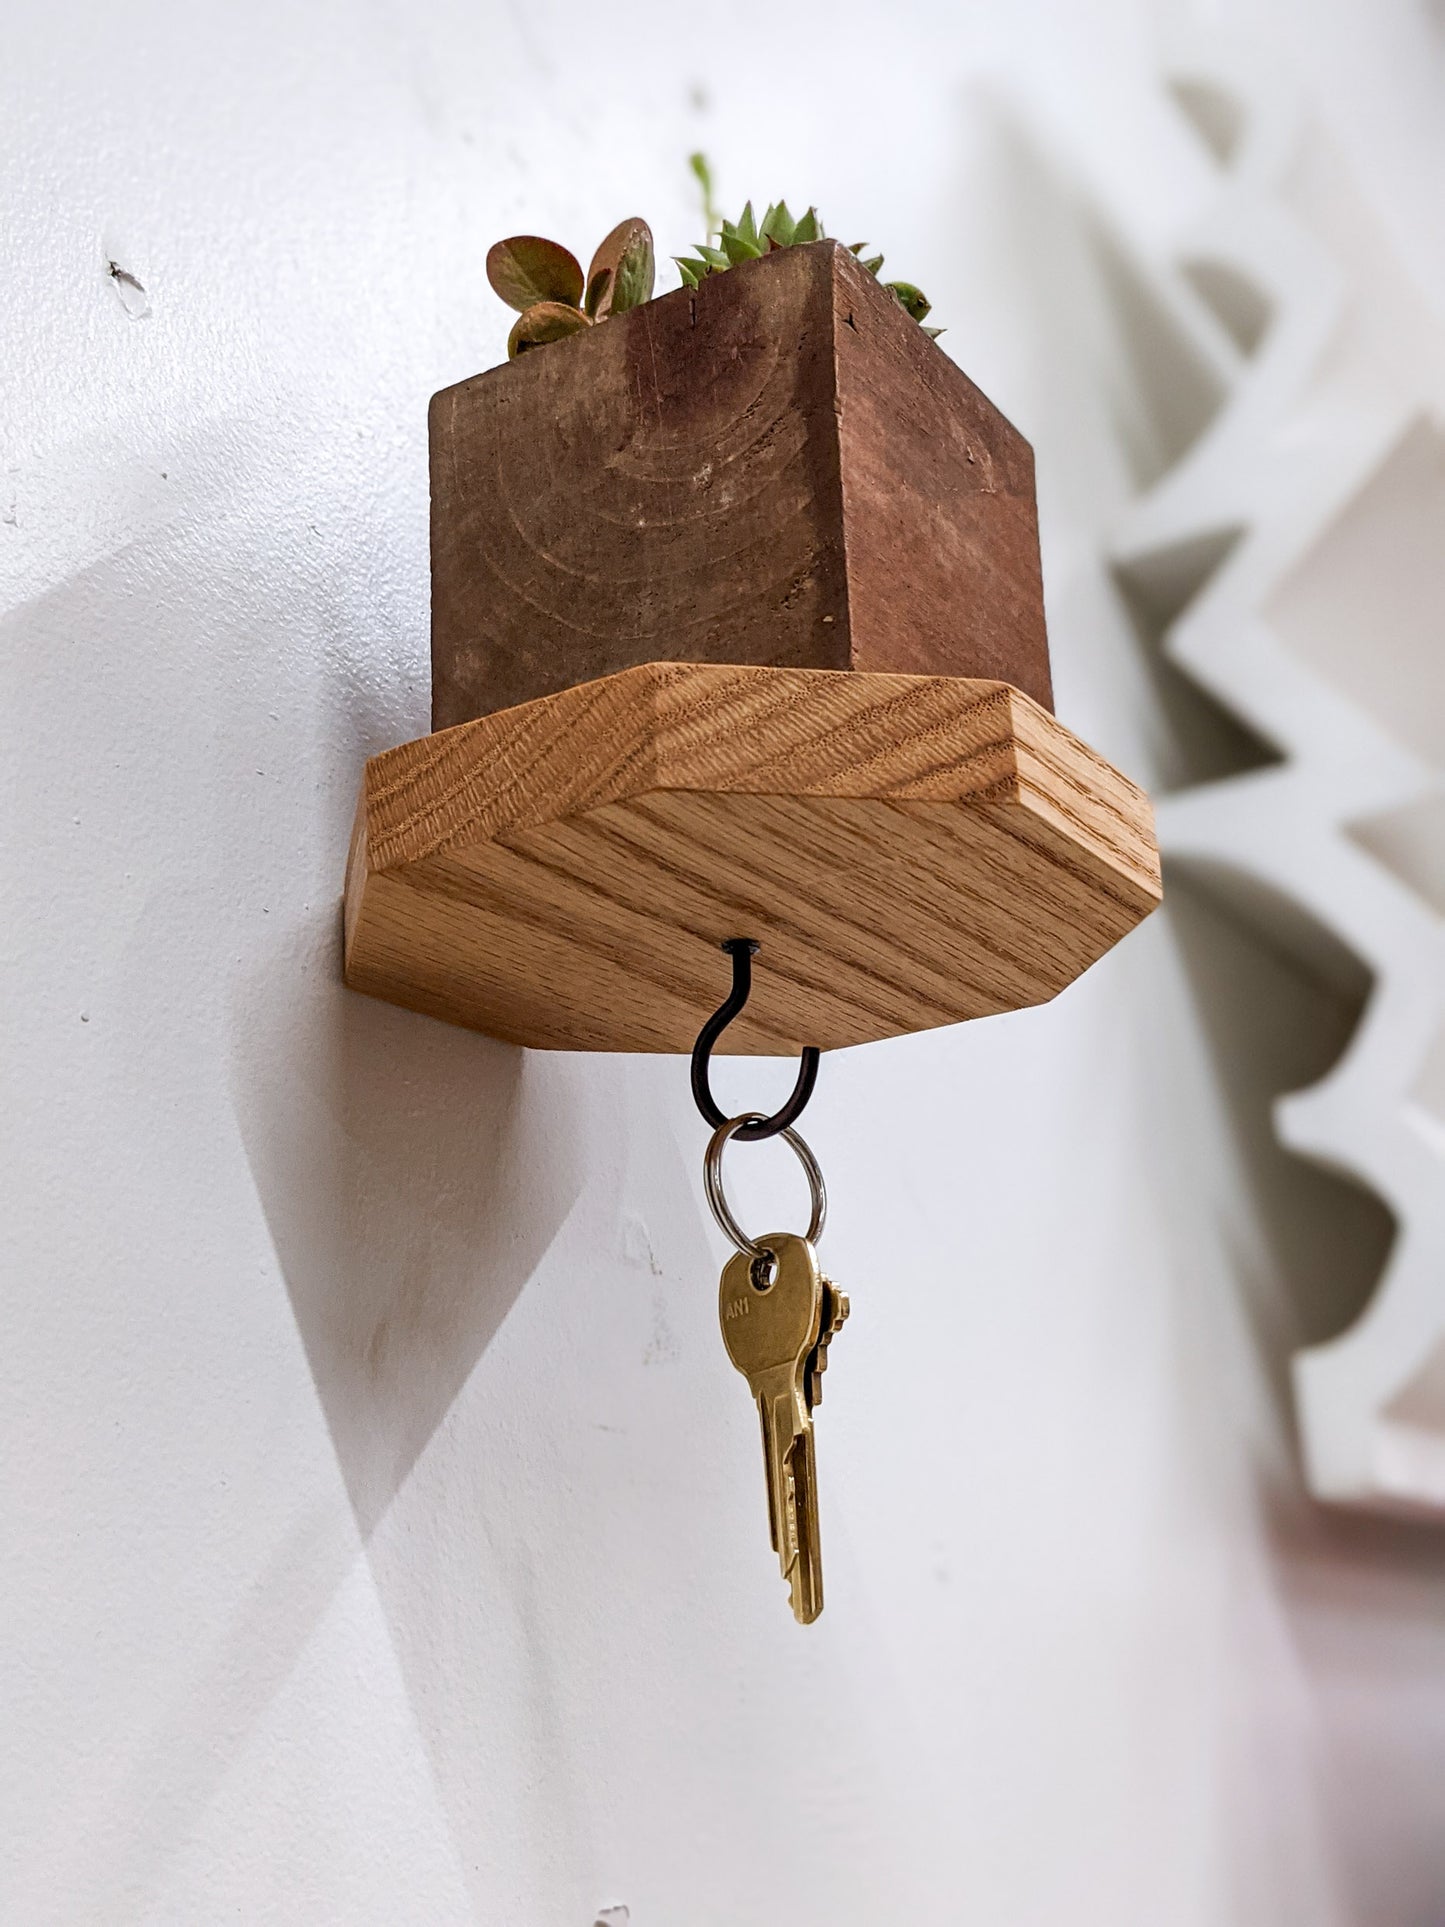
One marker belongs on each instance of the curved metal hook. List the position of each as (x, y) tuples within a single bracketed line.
[(741, 950)]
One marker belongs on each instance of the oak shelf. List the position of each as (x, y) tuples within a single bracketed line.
[(910, 850)]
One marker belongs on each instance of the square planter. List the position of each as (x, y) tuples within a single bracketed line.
[(778, 468)]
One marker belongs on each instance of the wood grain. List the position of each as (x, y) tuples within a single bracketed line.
[(939, 518), (777, 468), (910, 850)]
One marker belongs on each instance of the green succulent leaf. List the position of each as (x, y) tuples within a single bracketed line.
[(636, 273), (747, 228), (737, 247), (544, 321), (622, 271), (912, 300), (873, 263), (691, 271), (526, 269), (778, 225), (714, 257), (934, 333), (810, 228)]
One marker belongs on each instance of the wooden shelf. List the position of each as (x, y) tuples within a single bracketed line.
[(910, 850)]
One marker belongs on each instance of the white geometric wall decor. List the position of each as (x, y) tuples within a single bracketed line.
[(1296, 553)]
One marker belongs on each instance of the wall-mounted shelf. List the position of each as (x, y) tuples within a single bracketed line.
[(912, 851), (737, 631)]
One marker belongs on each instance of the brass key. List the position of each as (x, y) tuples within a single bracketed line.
[(777, 1314)]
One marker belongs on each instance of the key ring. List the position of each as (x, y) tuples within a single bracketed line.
[(713, 1183)]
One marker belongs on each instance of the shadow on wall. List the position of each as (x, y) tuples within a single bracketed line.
[(1279, 996), (1274, 1026), (412, 1178), (1279, 999), (1139, 384), (1194, 739), (1360, 1595)]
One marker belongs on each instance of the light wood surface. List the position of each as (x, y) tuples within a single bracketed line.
[(909, 850), (778, 467)]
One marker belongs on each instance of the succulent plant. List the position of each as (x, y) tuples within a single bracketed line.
[(747, 239), (544, 281)]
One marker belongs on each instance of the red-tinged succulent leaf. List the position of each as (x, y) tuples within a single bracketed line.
[(625, 258), (599, 289), (544, 321), (526, 269)]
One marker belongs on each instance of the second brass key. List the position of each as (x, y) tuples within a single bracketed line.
[(772, 1316)]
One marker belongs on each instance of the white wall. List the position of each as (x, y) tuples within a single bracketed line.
[(384, 1527)]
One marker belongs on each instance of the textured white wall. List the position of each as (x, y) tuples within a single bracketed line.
[(384, 1533)]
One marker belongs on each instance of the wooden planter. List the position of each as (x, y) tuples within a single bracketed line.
[(737, 631), (778, 468)]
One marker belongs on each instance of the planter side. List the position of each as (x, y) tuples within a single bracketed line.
[(939, 515)]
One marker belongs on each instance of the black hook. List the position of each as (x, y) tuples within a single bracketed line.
[(741, 950)]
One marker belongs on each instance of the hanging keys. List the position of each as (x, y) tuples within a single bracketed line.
[(778, 1314)]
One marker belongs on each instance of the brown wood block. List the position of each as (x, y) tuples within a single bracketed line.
[(909, 850), (777, 468)]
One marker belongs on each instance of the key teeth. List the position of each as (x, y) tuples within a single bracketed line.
[(835, 1313)]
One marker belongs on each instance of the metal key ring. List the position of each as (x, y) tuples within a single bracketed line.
[(713, 1184)]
